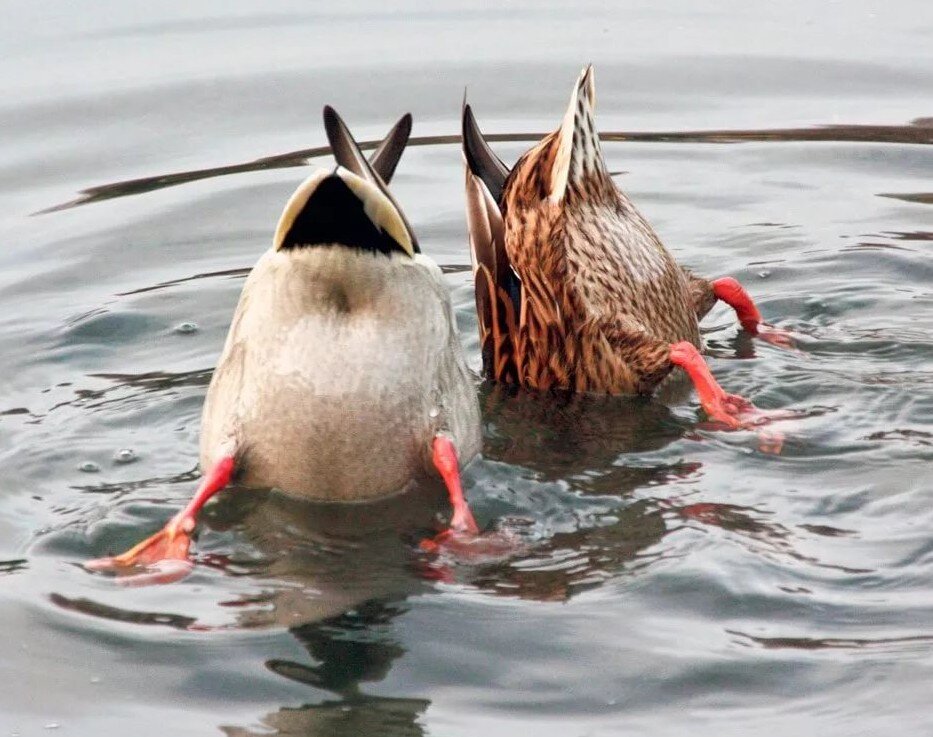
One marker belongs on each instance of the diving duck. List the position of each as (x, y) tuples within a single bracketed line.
[(574, 290), (342, 377)]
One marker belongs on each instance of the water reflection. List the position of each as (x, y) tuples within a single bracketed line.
[(125, 387), (583, 438), (360, 715), (336, 577), (831, 643), (364, 715), (13, 566), (915, 133), (83, 605), (346, 651), (921, 198)]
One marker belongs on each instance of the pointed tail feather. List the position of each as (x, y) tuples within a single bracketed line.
[(348, 155), (498, 288), (579, 156), (386, 157), (481, 159)]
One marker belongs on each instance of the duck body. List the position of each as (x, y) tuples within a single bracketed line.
[(339, 369), (592, 271), (574, 289), (342, 378)]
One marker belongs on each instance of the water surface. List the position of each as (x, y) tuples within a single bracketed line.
[(675, 577)]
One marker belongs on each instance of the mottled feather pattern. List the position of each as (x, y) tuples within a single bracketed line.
[(586, 158), (496, 307), (602, 299), (702, 296)]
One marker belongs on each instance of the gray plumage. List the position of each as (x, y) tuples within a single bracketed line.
[(342, 362), (338, 370)]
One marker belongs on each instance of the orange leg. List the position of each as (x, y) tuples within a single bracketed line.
[(447, 464), (733, 411), (463, 538), (733, 294), (172, 542)]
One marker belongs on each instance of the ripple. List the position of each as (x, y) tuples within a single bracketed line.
[(17, 565), (831, 643), (826, 133)]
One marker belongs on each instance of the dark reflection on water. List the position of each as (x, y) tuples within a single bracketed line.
[(347, 651), (355, 716), (119, 489), (95, 609), (868, 133), (13, 566), (923, 198), (233, 273), (831, 643)]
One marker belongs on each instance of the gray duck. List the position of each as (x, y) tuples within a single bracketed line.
[(342, 378)]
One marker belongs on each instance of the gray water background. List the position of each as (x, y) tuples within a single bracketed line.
[(676, 579)]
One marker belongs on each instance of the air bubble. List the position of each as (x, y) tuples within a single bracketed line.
[(89, 467), (186, 328), (125, 455)]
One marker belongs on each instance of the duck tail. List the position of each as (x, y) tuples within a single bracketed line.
[(579, 157), (379, 169)]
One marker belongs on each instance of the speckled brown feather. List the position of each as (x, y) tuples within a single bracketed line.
[(495, 307), (601, 299), (701, 294)]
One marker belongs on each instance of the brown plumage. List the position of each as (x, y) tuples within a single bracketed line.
[(574, 290)]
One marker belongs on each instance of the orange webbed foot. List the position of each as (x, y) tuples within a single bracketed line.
[(775, 336), (728, 410), (163, 558), (737, 413), (472, 548)]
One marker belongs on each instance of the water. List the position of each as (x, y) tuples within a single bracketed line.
[(675, 578)]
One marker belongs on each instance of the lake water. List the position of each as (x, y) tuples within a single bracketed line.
[(675, 579)]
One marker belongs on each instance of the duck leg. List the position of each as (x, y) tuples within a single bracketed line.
[(462, 538), (733, 294), (652, 360), (730, 409), (704, 294), (165, 554), (444, 456)]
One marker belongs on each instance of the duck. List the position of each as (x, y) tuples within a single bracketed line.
[(574, 290), (342, 378)]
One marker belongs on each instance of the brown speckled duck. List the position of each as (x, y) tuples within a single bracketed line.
[(574, 290), (342, 377)]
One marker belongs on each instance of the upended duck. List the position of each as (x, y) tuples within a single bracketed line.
[(342, 377), (574, 290)]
